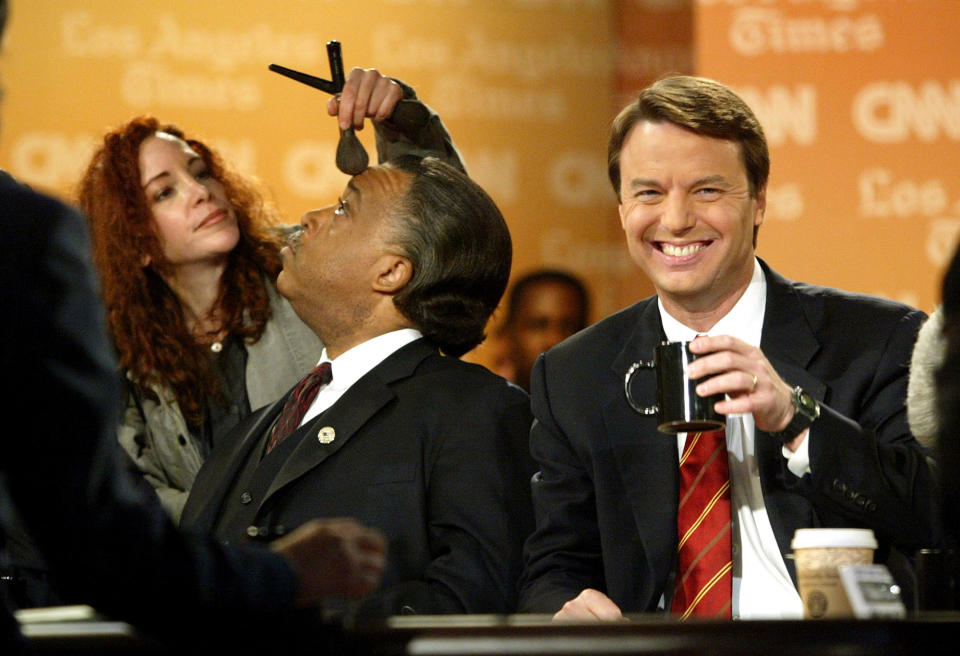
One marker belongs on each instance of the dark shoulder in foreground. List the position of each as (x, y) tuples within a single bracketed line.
[(28, 216), (44, 240), (19, 195)]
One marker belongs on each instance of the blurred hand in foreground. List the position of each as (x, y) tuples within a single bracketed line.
[(333, 557)]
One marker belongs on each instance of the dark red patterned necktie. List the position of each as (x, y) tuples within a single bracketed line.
[(704, 562), (297, 404)]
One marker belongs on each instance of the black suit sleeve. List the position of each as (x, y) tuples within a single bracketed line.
[(871, 472), (424, 135)]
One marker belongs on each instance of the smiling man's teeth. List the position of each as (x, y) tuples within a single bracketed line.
[(680, 251)]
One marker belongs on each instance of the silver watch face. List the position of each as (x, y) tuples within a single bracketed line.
[(806, 404)]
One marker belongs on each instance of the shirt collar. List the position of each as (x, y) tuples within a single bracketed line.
[(744, 320), (351, 365)]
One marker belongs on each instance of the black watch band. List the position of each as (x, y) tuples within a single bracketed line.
[(806, 411)]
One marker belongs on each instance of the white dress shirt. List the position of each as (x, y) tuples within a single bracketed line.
[(354, 364), (762, 588)]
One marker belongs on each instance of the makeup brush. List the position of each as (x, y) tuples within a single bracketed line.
[(352, 157), (409, 115)]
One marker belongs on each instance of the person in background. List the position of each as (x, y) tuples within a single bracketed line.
[(814, 383), (544, 307), (398, 278), (188, 252), (99, 525)]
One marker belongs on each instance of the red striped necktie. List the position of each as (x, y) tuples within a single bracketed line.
[(704, 561), (298, 403)]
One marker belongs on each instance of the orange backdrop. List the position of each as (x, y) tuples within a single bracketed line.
[(860, 100)]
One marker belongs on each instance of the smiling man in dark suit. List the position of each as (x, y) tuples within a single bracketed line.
[(815, 383), (398, 279)]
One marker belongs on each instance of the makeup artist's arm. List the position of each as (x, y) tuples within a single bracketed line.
[(369, 94)]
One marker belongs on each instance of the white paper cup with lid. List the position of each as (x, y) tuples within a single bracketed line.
[(818, 552)]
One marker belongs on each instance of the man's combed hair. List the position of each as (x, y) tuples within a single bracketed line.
[(702, 106), (460, 248)]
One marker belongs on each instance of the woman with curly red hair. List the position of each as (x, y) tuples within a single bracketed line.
[(188, 254)]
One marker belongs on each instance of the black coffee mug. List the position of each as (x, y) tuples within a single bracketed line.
[(679, 408)]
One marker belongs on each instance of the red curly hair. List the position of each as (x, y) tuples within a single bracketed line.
[(145, 317)]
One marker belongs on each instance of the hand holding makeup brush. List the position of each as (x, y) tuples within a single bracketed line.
[(366, 94)]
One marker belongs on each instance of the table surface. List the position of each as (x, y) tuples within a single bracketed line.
[(536, 635)]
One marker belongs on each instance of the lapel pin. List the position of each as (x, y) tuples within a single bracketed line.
[(326, 435)]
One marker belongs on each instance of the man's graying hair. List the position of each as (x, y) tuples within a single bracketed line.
[(460, 248)]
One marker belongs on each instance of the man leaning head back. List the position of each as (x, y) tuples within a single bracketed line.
[(412, 243)]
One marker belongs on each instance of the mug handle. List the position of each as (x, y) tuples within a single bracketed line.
[(642, 364)]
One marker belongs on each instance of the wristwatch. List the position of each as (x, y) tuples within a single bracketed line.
[(807, 410)]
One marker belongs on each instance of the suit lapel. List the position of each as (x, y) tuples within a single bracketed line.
[(227, 463), (349, 414), (790, 343), (645, 457), (788, 339)]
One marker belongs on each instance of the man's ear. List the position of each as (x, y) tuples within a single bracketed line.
[(393, 272), (145, 260), (760, 208)]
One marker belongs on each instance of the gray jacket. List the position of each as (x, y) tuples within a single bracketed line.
[(154, 432)]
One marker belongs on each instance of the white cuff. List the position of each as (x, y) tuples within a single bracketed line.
[(798, 462)]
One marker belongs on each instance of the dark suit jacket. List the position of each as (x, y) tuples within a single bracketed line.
[(100, 527), (606, 496), (431, 450)]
